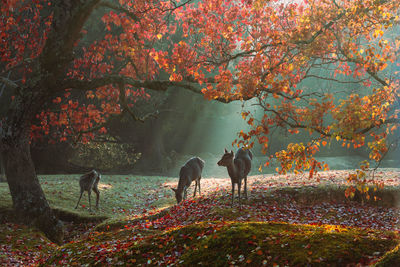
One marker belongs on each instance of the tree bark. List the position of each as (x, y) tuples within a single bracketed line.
[(29, 202), (2, 171)]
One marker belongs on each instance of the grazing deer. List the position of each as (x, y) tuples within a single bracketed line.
[(189, 172), (88, 182), (238, 168)]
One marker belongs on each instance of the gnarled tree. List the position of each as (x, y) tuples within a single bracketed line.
[(47, 53)]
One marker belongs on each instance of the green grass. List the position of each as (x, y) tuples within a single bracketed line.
[(119, 194)]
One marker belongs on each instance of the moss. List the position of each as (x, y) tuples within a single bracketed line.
[(224, 243), (269, 243), (23, 243), (68, 216), (391, 258)]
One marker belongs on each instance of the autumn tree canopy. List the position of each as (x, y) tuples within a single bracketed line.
[(267, 50), (52, 50)]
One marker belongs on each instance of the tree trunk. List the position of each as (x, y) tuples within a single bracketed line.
[(152, 149), (29, 201), (2, 171)]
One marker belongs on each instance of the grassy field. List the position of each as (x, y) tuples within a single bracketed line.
[(287, 220), (119, 194)]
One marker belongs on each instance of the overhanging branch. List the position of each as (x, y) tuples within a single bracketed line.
[(160, 85), (8, 82), (126, 108), (120, 9)]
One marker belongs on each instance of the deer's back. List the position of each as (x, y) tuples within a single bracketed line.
[(243, 161), (87, 181), (192, 169)]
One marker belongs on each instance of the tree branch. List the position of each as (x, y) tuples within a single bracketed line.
[(297, 125), (8, 82), (69, 18), (25, 61), (331, 79), (161, 85), (124, 103), (120, 9)]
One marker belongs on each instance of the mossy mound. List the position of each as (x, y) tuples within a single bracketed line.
[(391, 258), (23, 246), (226, 243)]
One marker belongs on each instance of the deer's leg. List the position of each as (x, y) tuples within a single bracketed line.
[(199, 187), (239, 185), (90, 204), (195, 188), (233, 192), (79, 199), (184, 192), (245, 187), (96, 190)]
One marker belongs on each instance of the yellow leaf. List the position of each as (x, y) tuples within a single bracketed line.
[(159, 36)]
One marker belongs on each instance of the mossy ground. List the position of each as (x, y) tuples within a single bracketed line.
[(231, 243), (391, 258), (22, 245)]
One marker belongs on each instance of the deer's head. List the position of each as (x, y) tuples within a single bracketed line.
[(226, 159), (178, 195)]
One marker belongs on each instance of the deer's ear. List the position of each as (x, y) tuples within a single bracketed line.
[(231, 152), (225, 151), (173, 189)]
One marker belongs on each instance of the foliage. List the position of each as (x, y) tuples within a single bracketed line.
[(235, 50), (105, 155), (267, 50)]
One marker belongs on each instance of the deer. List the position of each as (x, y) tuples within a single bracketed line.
[(88, 182), (189, 172), (238, 168)]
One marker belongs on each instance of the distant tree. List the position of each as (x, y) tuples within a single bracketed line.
[(106, 155)]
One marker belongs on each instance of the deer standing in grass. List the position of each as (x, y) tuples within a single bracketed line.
[(189, 172), (88, 182), (238, 168)]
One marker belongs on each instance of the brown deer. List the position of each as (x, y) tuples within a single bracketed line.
[(88, 182), (189, 172), (238, 168)]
